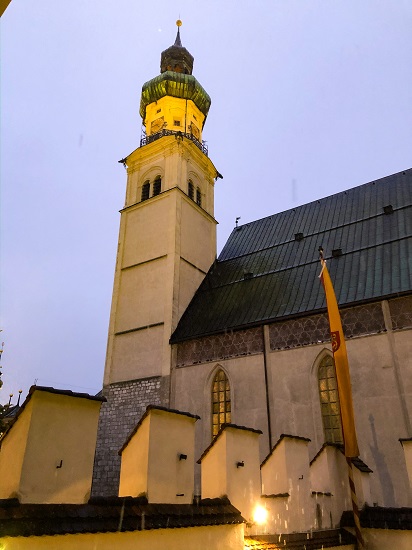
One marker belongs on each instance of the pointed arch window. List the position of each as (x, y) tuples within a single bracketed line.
[(146, 190), (221, 403), (157, 186), (191, 190), (329, 401), (198, 197)]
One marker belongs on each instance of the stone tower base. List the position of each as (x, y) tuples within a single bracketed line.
[(126, 403)]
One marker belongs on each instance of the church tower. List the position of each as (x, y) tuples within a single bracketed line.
[(167, 243)]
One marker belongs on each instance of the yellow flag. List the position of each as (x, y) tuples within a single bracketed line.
[(341, 365)]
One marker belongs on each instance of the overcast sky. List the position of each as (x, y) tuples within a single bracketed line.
[(308, 98)]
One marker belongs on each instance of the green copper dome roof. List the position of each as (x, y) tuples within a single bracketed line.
[(174, 84)]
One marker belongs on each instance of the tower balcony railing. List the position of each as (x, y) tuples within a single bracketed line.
[(145, 140)]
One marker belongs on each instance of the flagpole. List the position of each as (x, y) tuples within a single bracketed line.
[(344, 390), (355, 507)]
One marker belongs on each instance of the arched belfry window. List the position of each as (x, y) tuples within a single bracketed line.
[(221, 406), (157, 186), (198, 197), (329, 401), (145, 190), (191, 190)]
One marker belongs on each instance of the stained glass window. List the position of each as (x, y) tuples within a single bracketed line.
[(221, 405), (329, 401)]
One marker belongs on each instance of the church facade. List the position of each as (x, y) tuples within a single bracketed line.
[(244, 338)]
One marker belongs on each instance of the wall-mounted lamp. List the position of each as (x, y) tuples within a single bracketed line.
[(240, 464), (260, 515), (182, 456), (60, 465)]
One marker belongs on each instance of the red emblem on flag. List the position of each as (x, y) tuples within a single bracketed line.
[(335, 336)]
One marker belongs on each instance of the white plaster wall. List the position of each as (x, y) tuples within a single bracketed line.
[(170, 479), (62, 433), (274, 477), (198, 236), (214, 472), (385, 539), (287, 471), (403, 346), (154, 235), (329, 474), (147, 227), (407, 449), (12, 452), (137, 355), (246, 378), (134, 468), (215, 537), (295, 407), (142, 297), (243, 483)]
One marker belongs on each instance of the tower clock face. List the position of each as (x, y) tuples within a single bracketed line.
[(156, 125)]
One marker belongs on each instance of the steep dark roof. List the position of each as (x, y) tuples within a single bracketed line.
[(111, 514), (268, 269), (377, 517)]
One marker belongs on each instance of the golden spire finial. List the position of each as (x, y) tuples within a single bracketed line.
[(179, 23)]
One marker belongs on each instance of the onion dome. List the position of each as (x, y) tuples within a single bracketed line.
[(175, 80), (177, 58)]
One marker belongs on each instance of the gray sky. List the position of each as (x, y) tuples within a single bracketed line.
[(308, 98)]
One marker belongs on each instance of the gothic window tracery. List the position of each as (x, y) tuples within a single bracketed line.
[(221, 402), (329, 401)]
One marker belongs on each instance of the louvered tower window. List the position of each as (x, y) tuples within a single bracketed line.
[(191, 190), (221, 406), (145, 190), (157, 186), (198, 197), (329, 401)]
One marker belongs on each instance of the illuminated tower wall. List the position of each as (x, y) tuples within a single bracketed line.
[(167, 243)]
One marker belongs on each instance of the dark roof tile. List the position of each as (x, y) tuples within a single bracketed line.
[(376, 248), (111, 514), (377, 517)]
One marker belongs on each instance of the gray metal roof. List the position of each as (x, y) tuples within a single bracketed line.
[(267, 272)]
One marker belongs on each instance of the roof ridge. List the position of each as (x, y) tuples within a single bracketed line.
[(321, 199), (313, 234)]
